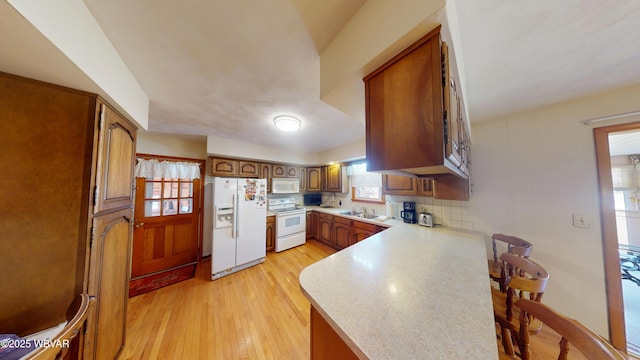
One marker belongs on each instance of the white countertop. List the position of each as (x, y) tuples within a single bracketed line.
[(408, 292)]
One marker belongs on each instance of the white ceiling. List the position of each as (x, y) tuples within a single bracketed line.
[(225, 68)]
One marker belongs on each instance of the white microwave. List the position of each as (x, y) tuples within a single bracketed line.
[(285, 186)]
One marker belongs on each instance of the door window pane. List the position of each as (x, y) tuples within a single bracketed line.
[(186, 189), (186, 206), (169, 207), (152, 208)]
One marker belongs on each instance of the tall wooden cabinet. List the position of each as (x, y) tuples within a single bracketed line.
[(66, 229)]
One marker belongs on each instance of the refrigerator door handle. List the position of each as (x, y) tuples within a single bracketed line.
[(235, 214)]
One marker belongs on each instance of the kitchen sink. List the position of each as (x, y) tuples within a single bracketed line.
[(350, 213), (367, 216)]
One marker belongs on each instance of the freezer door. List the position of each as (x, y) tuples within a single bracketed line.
[(223, 256), (251, 220)]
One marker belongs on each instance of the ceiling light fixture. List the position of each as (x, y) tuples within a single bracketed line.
[(287, 122)]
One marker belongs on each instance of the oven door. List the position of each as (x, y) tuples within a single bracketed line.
[(290, 223)]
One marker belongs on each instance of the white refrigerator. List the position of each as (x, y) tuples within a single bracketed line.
[(239, 224)]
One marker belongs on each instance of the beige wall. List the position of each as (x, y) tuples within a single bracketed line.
[(171, 145), (530, 172)]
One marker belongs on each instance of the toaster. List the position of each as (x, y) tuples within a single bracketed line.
[(426, 219)]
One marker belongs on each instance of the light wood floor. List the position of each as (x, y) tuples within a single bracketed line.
[(258, 313)]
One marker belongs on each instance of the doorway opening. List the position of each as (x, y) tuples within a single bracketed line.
[(618, 153)]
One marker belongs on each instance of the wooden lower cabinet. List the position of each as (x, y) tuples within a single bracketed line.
[(271, 233), (312, 225), (342, 232), (325, 229), (109, 280), (325, 342), (337, 231), (68, 233), (362, 230)]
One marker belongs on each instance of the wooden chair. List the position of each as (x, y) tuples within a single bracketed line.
[(514, 245), (523, 278), (571, 331), (76, 315)]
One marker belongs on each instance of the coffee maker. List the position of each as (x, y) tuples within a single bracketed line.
[(408, 213)]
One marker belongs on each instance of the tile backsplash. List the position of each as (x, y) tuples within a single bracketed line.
[(451, 213)]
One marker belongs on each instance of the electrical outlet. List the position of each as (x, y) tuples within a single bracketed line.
[(581, 221)]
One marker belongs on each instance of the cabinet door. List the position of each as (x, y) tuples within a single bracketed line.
[(451, 188), (404, 107), (314, 224), (279, 170), (314, 176), (116, 152), (109, 284), (323, 178), (342, 232), (362, 230), (271, 233), (334, 178), (303, 179), (224, 167), (266, 173), (325, 229), (247, 168), (293, 171), (399, 185), (425, 187)]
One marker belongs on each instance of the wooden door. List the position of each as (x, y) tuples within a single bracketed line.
[(167, 214), (109, 279), (224, 167), (303, 179), (248, 169), (278, 170), (334, 178), (325, 229), (314, 176), (425, 187), (117, 145), (271, 233), (342, 232), (399, 185), (266, 173)]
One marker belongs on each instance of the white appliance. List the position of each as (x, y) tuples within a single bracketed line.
[(239, 210), (291, 223), (285, 185)]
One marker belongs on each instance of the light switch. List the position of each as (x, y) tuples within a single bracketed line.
[(581, 221)]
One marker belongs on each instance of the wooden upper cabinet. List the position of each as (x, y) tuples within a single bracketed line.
[(404, 101), (303, 179), (266, 173), (224, 167), (451, 188), (247, 169), (323, 178), (425, 187), (399, 185), (116, 150), (279, 170), (232, 167), (293, 171), (314, 179), (334, 178)]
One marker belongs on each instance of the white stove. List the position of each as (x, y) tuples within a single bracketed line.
[(291, 223)]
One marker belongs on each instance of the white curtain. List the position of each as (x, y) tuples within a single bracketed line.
[(167, 169), (360, 176)]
